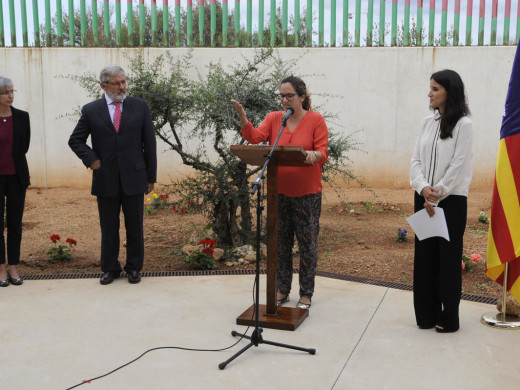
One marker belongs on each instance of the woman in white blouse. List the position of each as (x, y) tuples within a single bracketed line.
[(440, 174)]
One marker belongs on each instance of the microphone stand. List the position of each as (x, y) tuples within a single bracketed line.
[(256, 183), (256, 337)]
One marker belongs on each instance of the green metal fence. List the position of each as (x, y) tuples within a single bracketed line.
[(213, 23)]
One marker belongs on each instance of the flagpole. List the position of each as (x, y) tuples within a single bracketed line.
[(501, 320)]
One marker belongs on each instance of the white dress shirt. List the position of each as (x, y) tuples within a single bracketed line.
[(112, 107)]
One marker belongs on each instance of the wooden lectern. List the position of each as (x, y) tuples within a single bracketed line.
[(271, 316)]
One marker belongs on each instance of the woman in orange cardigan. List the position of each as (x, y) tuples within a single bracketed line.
[(299, 188)]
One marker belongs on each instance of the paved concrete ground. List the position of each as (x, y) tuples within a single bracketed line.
[(56, 333)]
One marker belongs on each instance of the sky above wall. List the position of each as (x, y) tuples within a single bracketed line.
[(303, 3)]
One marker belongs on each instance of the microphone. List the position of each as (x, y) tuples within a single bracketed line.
[(288, 113)]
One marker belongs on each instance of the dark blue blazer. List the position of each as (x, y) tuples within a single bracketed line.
[(128, 157), (21, 141)]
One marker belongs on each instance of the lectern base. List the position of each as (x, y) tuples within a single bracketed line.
[(286, 318)]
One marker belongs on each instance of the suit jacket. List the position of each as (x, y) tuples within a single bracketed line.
[(21, 140), (127, 157)]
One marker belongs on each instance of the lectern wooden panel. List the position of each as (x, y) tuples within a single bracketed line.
[(271, 316)]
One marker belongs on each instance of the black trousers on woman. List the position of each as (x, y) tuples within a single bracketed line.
[(437, 277), (12, 200)]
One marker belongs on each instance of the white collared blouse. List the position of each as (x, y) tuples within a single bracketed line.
[(445, 164)]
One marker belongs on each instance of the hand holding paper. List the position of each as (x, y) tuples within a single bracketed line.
[(425, 226)]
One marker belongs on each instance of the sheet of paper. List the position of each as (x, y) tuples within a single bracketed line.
[(426, 227)]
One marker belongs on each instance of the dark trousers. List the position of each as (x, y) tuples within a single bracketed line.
[(12, 200), (437, 284), (300, 216), (109, 210)]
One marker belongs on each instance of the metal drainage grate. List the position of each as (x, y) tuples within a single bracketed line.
[(399, 286), (331, 275), (148, 274)]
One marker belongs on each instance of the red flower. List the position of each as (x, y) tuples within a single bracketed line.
[(55, 238), (208, 251), (71, 241), (208, 246), (183, 210), (475, 257)]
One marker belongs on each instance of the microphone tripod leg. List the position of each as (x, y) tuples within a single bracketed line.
[(224, 364)]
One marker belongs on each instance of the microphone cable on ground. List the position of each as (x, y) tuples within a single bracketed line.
[(181, 348)]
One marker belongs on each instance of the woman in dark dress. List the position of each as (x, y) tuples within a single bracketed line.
[(15, 134)]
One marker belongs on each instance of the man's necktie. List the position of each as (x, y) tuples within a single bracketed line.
[(117, 115)]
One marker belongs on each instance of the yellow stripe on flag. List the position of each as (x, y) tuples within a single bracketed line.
[(515, 289), (492, 259), (495, 272), (508, 196)]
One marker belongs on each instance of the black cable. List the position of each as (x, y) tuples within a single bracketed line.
[(181, 348)]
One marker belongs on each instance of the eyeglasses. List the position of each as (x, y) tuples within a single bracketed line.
[(289, 96), (5, 93), (118, 84)]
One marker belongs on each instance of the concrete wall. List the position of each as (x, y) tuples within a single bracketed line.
[(382, 94)]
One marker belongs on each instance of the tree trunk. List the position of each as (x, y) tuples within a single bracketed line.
[(246, 219), (225, 225)]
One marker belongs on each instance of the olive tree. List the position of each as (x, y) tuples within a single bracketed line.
[(194, 118)]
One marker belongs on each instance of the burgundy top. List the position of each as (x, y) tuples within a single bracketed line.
[(7, 166)]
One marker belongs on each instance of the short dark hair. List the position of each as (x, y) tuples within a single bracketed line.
[(456, 102)]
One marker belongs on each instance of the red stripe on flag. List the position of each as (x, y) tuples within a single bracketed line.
[(513, 273), (500, 229), (513, 146), (500, 279)]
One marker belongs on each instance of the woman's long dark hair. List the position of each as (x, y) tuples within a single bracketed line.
[(300, 88), (456, 103)]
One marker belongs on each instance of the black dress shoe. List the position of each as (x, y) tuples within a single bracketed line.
[(16, 282), (108, 277), (133, 277), (4, 283)]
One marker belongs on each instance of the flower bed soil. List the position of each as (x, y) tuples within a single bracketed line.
[(358, 235)]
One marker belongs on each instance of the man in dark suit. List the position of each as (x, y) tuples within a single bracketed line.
[(124, 163)]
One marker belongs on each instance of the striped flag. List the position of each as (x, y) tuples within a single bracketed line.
[(504, 232)]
